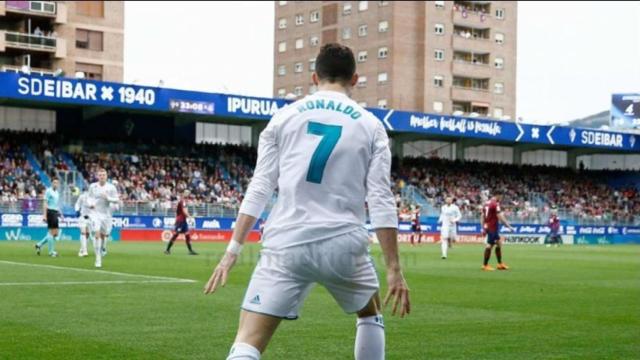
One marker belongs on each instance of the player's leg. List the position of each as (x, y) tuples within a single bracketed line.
[(187, 239), (52, 242), (42, 242), (370, 342), (83, 237), (176, 233), (444, 244), (254, 333), (501, 265), (491, 240)]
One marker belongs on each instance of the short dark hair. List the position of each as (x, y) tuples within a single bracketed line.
[(335, 63)]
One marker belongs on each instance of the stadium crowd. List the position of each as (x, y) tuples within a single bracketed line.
[(155, 174)]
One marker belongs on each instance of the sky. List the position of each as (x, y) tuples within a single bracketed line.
[(571, 55)]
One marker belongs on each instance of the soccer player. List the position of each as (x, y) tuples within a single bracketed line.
[(52, 214), (181, 226), (489, 221), (327, 155), (554, 226), (449, 217), (101, 195), (416, 229), (82, 209)]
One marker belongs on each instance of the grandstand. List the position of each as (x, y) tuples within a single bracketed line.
[(166, 141)]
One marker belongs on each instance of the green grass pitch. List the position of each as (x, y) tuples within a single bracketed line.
[(574, 302)]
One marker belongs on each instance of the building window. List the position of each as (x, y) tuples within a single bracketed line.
[(297, 91), (500, 14), (282, 46), (299, 19), (299, 43), (439, 29), (298, 67), (312, 64), (363, 103), (362, 56), (499, 62), (282, 23), (498, 113), (282, 3), (282, 92), (499, 38), (382, 103), (363, 5), (362, 81), (91, 71), (383, 3), (439, 55), (346, 33), (383, 26), (314, 41), (439, 4), (362, 30), (438, 106), (438, 81), (382, 78), (383, 52), (87, 39), (282, 70), (90, 8), (498, 88), (314, 16), (346, 9), (313, 89)]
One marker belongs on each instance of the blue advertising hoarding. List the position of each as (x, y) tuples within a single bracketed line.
[(625, 111), (116, 95)]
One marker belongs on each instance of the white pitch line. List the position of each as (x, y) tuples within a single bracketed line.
[(99, 271), (108, 282)]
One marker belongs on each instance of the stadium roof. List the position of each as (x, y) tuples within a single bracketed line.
[(96, 96)]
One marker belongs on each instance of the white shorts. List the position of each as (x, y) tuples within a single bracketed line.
[(449, 233), (282, 279), (84, 224), (102, 224)]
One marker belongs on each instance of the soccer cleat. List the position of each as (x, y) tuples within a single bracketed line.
[(53, 254), (37, 249), (502, 266), (193, 253), (444, 258), (167, 252), (104, 252), (487, 268), (83, 254), (98, 264)]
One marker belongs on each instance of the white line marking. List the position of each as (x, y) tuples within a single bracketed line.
[(165, 278), (94, 282)]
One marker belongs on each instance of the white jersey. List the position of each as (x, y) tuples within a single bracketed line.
[(327, 156), (82, 204), (449, 216), (101, 197)]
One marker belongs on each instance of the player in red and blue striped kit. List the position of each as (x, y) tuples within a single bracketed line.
[(181, 226), (554, 226), (491, 216)]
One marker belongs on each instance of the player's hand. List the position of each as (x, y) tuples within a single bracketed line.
[(399, 291), (220, 273), (44, 218)]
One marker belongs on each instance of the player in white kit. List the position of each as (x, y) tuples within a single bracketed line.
[(327, 156), (101, 196), (82, 209), (449, 217)]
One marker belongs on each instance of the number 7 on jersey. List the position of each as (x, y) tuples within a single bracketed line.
[(330, 135)]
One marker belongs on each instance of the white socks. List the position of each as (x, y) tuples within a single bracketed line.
[(444, 245), (83, 244), (242, 351), (97, 248), (369, 338)]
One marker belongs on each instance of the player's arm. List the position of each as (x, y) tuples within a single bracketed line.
[(112, 195), (504, 221), (44, 205), (441, 217), (264, 181), (384, 219), (482, 220), (458, 215)]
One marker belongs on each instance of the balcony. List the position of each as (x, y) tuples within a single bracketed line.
[(471, 94), (471, 18), (33, 71), (470, 69), (28, 41), (472, 44), (38, 8)]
